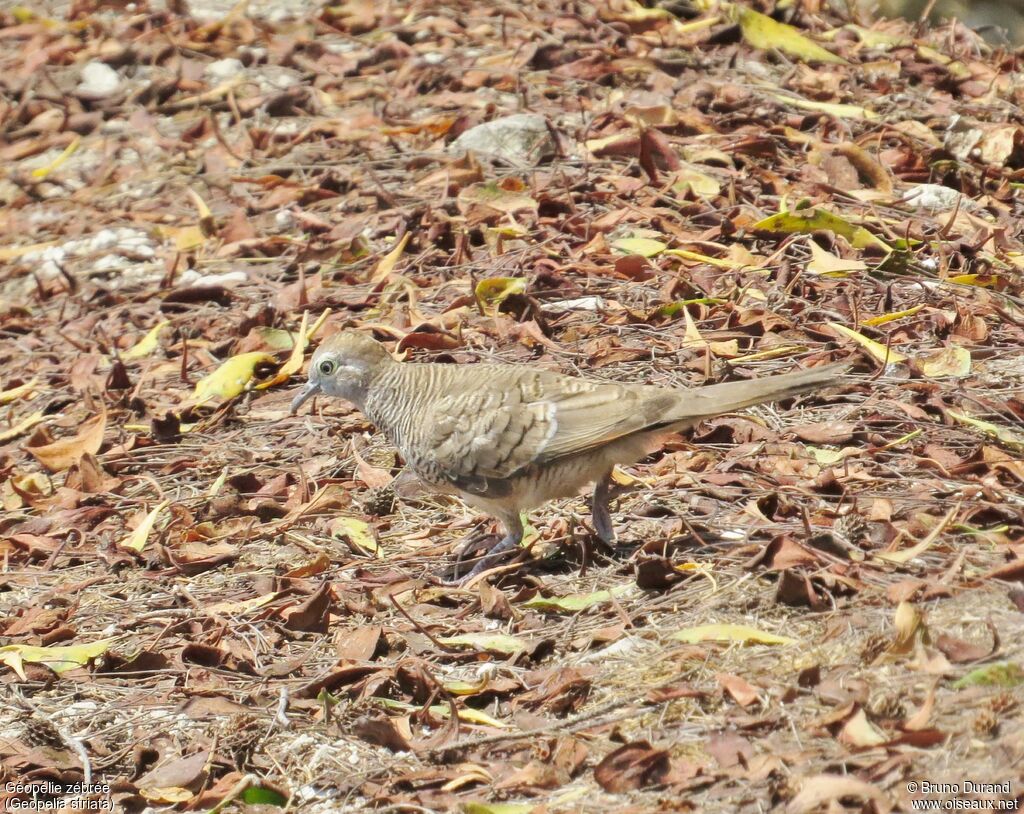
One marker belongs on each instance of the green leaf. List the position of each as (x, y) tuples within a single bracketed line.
[(574, 603), (1014, 440), (492, 642), (58, 659), (262, 796), (1001, 674), (808, 221)]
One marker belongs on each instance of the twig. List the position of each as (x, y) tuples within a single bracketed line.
[(281, 715), (420, 628), (580, 721)]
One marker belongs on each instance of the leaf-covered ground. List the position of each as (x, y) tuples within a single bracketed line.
[(813, 605)]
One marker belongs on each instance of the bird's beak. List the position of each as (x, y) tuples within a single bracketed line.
[(311, 389)]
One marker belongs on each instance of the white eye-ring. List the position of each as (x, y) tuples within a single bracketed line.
[(326, 367)]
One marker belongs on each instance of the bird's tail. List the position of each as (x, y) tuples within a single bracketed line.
[(715, 399)]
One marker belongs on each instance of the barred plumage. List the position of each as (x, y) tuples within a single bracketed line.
[(508, 438)]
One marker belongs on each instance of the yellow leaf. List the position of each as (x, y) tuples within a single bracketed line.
[(245, 605), (979, 280), (839, 111), (473, 807), (623, 478), (765, 33), (693, 339), (688, 179), (169, 795), (643, 246), (200, 204), (294, 363), (884, 318), (58, 659), (388, 261), (184, 238), (491, 293), (808, 221), (472, 715), (830, 265), (15, 393), (741, 634), (42, 172), (574, 603), (771, 353), (137, 540), (830, 457), (358, 533), (231, 378), (492, 642), (718, 262), (216, 486), (880, 352), (467, 688), (318, 324), (147, 344), (951, 361), (275, 338), (1014, 440), (22, 426)]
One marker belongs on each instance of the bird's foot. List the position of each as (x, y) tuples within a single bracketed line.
[(494, 553), (601, 514)]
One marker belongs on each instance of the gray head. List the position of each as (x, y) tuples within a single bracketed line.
[(344, 366)]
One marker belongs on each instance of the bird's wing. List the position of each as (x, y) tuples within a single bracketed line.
[(487, 433)]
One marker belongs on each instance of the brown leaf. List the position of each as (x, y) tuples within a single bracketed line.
[(656, 153), (373, 476), (493, 602), (742, 691), (831, 788), (392, 733), (729, 749), (65, 452), (826, 432), (311, 615), (860, 732), (359, 644), (919, 720), (184, 772), (960, 651), (633, 766)]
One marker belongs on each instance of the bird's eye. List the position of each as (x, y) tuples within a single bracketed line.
[(327, 367)]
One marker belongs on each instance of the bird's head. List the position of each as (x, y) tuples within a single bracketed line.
[(343, 366)]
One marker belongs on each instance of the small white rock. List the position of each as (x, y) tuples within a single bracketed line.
[(223, 69), (98, 81)]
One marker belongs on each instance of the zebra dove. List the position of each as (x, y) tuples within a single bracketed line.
[(507, 438)]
